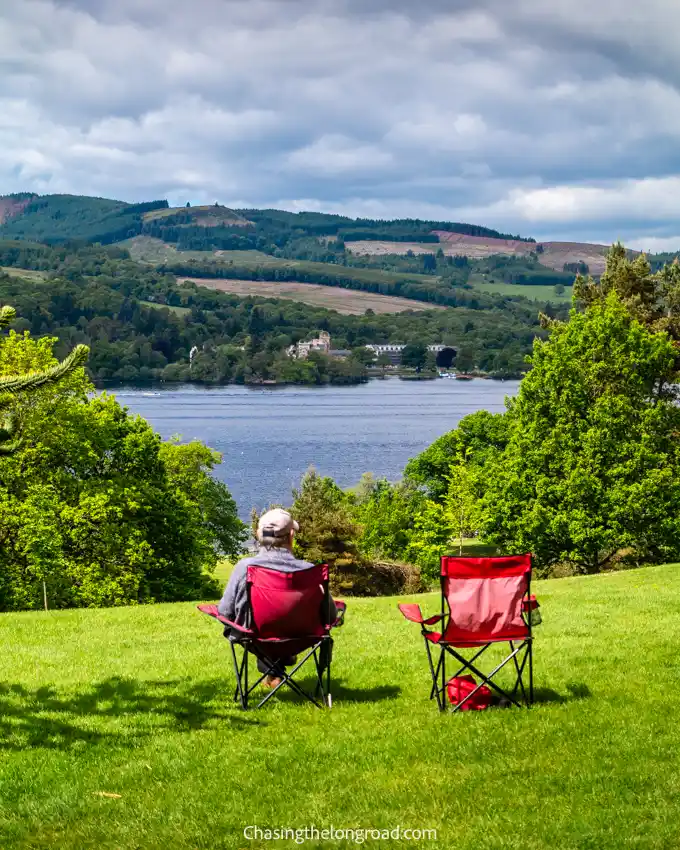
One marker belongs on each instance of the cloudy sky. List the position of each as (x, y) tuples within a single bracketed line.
[(553, 118)]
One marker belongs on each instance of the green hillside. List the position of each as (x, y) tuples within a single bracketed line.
[(118, 731), (307, 247), (60, 218), (101, 297)]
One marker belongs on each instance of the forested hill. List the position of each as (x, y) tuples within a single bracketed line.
[(312, 236), (55, 219), (111, 274), (142, 323)]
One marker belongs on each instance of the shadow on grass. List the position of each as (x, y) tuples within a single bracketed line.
[(344, 693), (50, 719), (575, 691)]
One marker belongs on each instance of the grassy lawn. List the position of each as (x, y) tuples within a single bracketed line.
[(137, 703), (538, 293)]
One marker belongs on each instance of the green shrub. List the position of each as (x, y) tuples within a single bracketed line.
[(330, 534), (389, 578)]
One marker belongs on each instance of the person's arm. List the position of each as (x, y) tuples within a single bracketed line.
[(227, 606)]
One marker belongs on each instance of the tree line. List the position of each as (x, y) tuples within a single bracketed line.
[(141, 324), (583, 467)]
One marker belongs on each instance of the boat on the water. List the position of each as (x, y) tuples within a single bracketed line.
[(464, 377)]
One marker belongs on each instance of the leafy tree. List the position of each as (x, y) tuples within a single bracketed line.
[(465, 360), (92, 504), (478, 437), (462, 502), (592, 465), (653, 299), (385, 512), (365, 356), (430, 538), (429, 263), (414, 356), (329, 533), (384, 360), (13, 385), (213, 511)]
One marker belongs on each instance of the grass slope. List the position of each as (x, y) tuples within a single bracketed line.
[(350, 302), (136, 703), (536, 293), (208, 215), (27, 274)]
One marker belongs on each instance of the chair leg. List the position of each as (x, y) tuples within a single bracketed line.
[(240, 695), (434, 673), (519, 669), (442, 694), (329, 696), (287, 679)]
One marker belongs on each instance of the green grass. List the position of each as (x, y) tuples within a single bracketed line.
[(28, 274), (148, 249), (137, 702), (179, 311), (539, 293)]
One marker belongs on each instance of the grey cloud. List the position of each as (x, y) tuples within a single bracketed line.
[(446, 106)]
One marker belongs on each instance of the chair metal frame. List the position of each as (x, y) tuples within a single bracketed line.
[(521, 651), (312, 646)]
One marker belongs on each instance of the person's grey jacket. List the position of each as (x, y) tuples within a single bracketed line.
[(234, 603)]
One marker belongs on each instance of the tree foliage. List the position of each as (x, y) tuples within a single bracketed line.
[(329, 533), (93, 504), (592, 464)]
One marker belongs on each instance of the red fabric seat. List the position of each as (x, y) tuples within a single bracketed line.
[(484, 601), (288, 614)]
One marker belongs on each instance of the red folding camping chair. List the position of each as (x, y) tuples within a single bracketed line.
[(485, 602), (288, 615)]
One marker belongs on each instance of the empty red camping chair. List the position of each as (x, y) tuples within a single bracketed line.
[(485, 602), (288, 615)]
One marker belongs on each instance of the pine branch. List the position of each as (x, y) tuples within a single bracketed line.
[(7, 315), (20, 383)]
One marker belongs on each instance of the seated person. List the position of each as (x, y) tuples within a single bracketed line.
[(275, 532)]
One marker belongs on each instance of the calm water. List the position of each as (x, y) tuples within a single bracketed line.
[(269, 437)]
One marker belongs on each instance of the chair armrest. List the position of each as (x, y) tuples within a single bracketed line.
[(212, 611), (413, 613), (529, 604), (340, 607)]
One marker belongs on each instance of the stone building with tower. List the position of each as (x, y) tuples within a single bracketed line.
[(301, 351)]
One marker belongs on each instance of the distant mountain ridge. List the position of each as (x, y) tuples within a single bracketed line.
[(55, 219)]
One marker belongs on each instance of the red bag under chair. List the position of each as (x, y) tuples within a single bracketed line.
[(484, 602), (464, 690)]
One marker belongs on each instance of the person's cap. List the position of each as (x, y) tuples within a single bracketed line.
[(276, 523)]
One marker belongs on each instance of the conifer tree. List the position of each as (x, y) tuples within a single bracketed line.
[(12, 386)]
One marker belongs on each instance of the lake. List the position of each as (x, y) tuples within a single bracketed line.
[(270, 436)]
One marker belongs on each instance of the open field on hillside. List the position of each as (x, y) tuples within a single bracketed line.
[(179, 311), (147, 249), (538, 293), (118, 731), (29, 274), (351, 302), (208, 215), (554, 255)]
